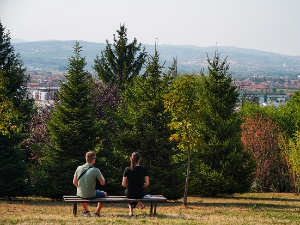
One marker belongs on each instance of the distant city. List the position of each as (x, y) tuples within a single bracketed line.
[(264, 77)]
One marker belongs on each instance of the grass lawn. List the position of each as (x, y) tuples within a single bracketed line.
[(249, 208)]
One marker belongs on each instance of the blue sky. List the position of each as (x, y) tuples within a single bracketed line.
[(268, 25)]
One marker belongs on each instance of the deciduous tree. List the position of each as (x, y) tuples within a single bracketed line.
[(261, 138), (182, 102)]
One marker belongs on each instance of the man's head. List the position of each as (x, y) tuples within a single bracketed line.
[(90, 156)]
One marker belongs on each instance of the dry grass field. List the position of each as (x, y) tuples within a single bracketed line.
[(250, 208)]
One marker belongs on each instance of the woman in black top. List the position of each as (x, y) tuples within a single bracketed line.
[(135, 179)]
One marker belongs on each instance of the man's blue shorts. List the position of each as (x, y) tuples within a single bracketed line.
[(100, 194)]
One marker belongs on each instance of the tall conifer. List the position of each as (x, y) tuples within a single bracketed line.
[(13, 168), (145, 128), (220, 165), (72, 129), (118, 63)]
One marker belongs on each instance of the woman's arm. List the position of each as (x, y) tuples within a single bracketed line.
[(124, 182), (146, 181)]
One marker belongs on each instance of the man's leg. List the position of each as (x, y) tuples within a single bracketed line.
[(85, 211), (84, 205), (100, 194), (99, 207)]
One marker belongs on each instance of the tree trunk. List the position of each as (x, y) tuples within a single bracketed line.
[(187, 178)]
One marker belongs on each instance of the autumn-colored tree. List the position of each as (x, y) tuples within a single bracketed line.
[(260, 136), (183, 102)]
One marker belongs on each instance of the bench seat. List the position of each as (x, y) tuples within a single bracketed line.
[(153, 199)]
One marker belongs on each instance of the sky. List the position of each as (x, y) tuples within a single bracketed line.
[(267, 25)]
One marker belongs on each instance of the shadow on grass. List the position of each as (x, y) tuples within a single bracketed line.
[(257, 203), (157, 216), (174, 204), (244, 205), (263, 199)]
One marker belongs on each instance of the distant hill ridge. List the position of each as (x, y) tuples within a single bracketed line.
[(53, 55)]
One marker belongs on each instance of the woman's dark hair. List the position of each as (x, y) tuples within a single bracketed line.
[(135, 159)]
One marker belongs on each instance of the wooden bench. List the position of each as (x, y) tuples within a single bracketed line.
[(153, 199)]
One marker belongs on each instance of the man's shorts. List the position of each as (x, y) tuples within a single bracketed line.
[(100, 194)]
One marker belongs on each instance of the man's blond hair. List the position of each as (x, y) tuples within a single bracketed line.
[(89, 156)]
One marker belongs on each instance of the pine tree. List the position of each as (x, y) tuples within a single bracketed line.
[(13, 168), (145, 129), (12, 66), (118, 63), (72, 129), (221, 165)]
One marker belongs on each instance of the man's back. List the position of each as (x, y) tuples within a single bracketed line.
[(87, 183)]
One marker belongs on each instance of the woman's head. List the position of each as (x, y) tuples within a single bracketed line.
[(135, 158)]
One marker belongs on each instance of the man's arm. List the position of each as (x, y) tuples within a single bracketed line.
[(101, 180), (75, 181)]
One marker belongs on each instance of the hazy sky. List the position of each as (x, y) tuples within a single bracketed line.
[(268, 25)]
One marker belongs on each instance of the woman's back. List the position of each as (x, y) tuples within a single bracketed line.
[(136, 180)]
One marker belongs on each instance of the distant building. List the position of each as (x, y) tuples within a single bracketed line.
[(42, 94), (264, 99)]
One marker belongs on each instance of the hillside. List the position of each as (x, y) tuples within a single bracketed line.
[(53, 55)]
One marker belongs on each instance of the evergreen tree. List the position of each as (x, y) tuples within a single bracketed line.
[(118, 63), (221, 165), (13, 168), (144, 128), (72, 129), (12, 66), (8, 114)]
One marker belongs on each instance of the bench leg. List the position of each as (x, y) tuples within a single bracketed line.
[(155, 208), (74, 209), (151, 208)]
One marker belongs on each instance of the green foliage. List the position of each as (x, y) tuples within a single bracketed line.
[(118, 63), (182, 102), (143, 127), (72, 129), (8, 114), (12, 67), (288, 115), (291, 150), (15, 109), (220, 154)]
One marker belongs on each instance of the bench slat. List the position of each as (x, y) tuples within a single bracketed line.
[(108, 199), (154, 199)]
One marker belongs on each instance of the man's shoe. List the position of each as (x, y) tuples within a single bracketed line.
[(86, 214), (96, 215)]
